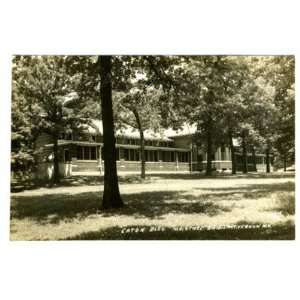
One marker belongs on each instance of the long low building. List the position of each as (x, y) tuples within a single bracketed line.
[(165, 151)]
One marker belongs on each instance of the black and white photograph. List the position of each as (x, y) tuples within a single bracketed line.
[(153, 147), (149, 149)]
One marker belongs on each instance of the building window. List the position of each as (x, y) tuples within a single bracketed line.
[(131, 156), (67, 155), (183, 157), (155, 156), (150, 156), (86, 153), (167, 156), (258, 159), (79, 153), (137, 155), (93, 153), (126, 154), (163, 156), (223, 153), (179, 156), (146, 155), (172, 156)]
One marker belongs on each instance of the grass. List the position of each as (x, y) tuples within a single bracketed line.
[(163, 207)]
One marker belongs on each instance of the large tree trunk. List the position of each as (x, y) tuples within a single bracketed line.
[(245, 159), (56, 176), (268, 159), (284, 163), (254, 159), (111, 194), (142, 144), (209, 152), (233, 158)]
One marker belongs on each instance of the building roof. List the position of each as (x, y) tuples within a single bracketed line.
[(186, 129), (129, 132), (165, 135)]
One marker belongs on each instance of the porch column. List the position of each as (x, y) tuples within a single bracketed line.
[(176, 155)]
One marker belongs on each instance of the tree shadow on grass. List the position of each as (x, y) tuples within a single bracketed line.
[(153, 205), (73, 181), (285, 204), (54, 208), (285, 231), (254, 191)]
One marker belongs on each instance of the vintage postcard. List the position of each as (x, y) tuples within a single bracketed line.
[(153, 147)]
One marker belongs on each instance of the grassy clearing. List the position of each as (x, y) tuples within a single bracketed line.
[(163, 207)]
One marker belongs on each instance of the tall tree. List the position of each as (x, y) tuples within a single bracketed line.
[(139, 109), (48, 90), (111, 194), (23, 133), (282, 76), (146, 94), (213, 81), (275, 77)]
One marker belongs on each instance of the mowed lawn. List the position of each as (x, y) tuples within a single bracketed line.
[(181, 206)]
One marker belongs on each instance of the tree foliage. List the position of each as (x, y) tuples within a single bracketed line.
[(52, 105)]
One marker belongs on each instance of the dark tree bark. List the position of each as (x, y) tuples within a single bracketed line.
[(142, 144), (56, 176), (245, 159), (254, 159), (111, 194), (284, 163), (209, 152), (233, 158), (268, 159)]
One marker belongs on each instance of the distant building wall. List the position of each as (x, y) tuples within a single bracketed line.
[(130, 166), (84, 152)]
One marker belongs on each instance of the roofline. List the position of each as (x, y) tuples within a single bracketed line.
[(180, 135), (62, 143)]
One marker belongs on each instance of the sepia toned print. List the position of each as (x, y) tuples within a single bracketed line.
[(153, 147)]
